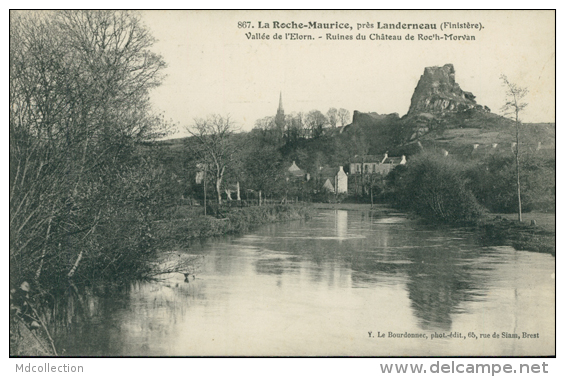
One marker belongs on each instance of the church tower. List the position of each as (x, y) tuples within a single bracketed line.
[(279, 118)]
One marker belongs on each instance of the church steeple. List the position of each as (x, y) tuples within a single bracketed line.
[(281, 110), (279, 118)]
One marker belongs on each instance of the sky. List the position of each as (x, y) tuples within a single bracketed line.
[(213, 68)]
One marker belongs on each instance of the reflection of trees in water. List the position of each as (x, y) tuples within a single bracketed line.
[(438, 283), (435, 264), (439, 277), (117, 320), (270, 266), (80, 318)]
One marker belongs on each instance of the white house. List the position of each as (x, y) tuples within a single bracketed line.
[(334, 180), (372, 164)]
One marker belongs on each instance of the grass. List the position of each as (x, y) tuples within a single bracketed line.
[(235, 220), (543, 220), (504, 229)]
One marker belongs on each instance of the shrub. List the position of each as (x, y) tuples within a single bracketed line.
[(434, 187), (235, 220), (494, 183)]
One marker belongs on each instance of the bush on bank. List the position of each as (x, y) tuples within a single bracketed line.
[(434, 187), (493, 182), (234, 220), (445, 189), (521, 236)]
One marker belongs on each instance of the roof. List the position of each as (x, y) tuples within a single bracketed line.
[(328, 184), (328, 172), (393, 160), (367, 158), (295, 170)]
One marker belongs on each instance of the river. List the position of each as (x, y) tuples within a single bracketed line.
[(334, 285)]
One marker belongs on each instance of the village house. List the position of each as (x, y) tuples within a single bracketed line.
[(372, 164), (333, 180), (295, 173), (297, 183)]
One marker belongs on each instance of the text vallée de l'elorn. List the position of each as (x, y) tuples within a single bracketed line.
[(339, 26)]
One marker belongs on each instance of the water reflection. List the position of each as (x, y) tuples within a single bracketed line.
[(341, 224), (317, 287), (432, 267)]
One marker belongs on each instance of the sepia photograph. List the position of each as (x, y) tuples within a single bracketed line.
[(282, 183)]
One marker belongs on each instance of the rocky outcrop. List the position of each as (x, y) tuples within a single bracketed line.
[(372, 130), (371, 119), (438, 104), (437, 92)]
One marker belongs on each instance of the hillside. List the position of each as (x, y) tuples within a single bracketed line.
[(444, 116)]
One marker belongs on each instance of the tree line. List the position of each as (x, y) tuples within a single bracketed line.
[(298, 125), (83, 191), (257, 161)]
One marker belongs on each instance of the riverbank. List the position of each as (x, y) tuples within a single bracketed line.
[(495, 229), (279, 272), (234, 220), (375, 209), (182, 225), (344, 206), (535, 233)]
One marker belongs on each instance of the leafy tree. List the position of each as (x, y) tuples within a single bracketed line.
[(264, 169), (265, 123), (435, 187), (268, 130), (294, 127), (493, 182)]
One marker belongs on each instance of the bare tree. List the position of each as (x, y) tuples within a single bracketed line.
[(513, 106), (315, 122), (294, 127), (265, 123), (332, 116), (79, 83), (214, 146), (344, 116)]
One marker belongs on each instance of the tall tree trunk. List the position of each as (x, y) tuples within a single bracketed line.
[(80, 255), (44, 251), (75, 266), (518, 169), (219, 189)]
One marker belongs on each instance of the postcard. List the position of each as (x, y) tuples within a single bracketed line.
[(282, 183)]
